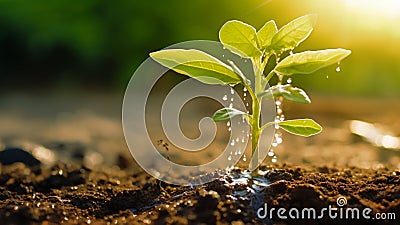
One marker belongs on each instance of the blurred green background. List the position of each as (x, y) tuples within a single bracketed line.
[(98, 44)]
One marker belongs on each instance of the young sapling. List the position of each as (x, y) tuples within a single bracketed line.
[(258, 46)]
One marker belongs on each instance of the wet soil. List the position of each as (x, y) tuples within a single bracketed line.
[(72, 194), (92, 179)]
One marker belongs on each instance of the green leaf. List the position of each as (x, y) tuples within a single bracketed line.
[(265, 34), (302, 127), (290, 93), (226, 114), (240, 38), (197, 64), (295, 94), (310, 61), (293, 33)]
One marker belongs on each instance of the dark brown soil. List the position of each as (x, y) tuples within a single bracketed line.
[(72, 194), (88, 132)]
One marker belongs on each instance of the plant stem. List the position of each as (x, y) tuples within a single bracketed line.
[(255, 135), (259, 86), (256, 107)]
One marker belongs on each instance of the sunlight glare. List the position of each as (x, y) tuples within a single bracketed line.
[(382, 8)]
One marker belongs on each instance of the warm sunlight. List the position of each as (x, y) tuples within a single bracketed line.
[(382, 8)]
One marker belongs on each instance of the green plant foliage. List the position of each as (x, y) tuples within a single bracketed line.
[(310, 61), (197, 64), (226, 114), (288, 92), (244, 40), (302, 127), (240, 38), (293, 33), (265, 34)]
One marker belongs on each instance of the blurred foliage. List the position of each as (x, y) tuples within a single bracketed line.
[(101, 43)]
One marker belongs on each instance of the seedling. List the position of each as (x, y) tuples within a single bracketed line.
[(258, 46)]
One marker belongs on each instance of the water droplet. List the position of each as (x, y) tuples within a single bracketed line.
[(278, 103), (232, 91), (338, 69), (232, 143), (327, 76), (223, 47), (229, 128), (274, 143), (223, 56), (291, 52), (244, 158), (237, 139), (239, 151), (279, 140), (289, 80), (230, 157), (274, 159), (282, 117), (231, 105), (271, 153), (225, 98), (232, 99), (276, 126), (220, 172), (278, 57), (245, 60), (244, 89), (231, 85), (247, 104), (278, 111), (243, 140), (245, 94), (228, 123)]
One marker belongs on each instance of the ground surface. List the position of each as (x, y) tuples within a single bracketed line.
[(77, 195), (91, 178)]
